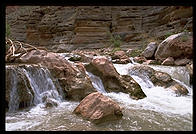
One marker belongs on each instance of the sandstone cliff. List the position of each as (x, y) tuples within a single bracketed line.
[(65, 28)]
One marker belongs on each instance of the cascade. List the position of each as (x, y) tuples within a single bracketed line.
[(160, 110), (179, 72), (96, 82), (37, 81), (158, 98)]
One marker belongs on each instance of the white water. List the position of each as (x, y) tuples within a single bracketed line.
[(158, 98), (41, 83), (96, 82), (160, 110), (180, 72)]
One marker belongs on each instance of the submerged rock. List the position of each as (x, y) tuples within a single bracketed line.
[(112, 80), (98, 108), (50, 103)]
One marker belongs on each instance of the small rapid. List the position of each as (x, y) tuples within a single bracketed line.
[(96, 82), (158, 98), (179, 72), (160, 110)]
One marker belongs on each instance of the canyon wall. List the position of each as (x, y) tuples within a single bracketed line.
[(65, 28)]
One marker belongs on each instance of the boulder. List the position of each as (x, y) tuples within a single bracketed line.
[(149, 50), (176, 46), (74, 81), (101, 66), (168, 61), (112, 81), (98, 108)]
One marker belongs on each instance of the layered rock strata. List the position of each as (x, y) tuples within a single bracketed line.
[(65, 28)]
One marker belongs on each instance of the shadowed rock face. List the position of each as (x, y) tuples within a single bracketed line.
[(98, 108), (65, 28)]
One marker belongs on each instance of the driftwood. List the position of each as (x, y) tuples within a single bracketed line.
[(16, 49)]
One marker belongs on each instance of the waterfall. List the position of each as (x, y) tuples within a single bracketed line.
[(96, 82), (14, 97), (41, 86)]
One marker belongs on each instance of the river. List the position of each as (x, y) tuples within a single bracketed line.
[(161, 110)]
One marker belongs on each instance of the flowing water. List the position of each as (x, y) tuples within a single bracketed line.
[(160, 110)]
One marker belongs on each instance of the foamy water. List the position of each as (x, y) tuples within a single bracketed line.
[(160, 110)]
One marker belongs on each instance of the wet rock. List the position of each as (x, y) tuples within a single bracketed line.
[(75, 58), (131, 87), (178, 89), (176, 46), (161, 79), (75, 83), (98, 108), (142, 71), (190, 70), (50, 103), (168, 61), (181, 62), (158, 78), (149, 50), (112, 81)]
